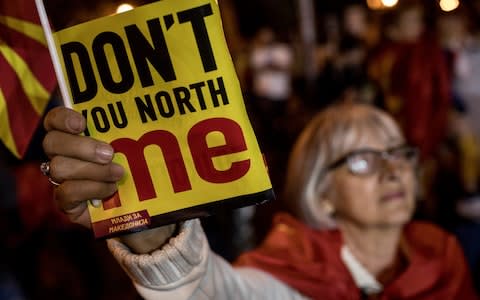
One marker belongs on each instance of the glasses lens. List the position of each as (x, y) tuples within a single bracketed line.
[(363, 163), (368, 162), (406, 154)]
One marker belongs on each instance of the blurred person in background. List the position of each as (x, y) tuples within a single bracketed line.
[(410, 69), (462, 49), (342, 72), (270, 78), (348, 234), (457, 32), (270, 67)]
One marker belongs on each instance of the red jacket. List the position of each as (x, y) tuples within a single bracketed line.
[(309, 261), (415, 81)]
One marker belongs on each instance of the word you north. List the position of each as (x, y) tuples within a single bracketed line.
[(148, 53)]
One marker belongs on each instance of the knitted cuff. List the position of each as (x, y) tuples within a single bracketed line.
[(168, 266)]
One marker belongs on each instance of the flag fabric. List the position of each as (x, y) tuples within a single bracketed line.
[(27, 77)]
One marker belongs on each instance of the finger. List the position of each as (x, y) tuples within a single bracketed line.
[(76, 146), (64, 119), (80, 215), (65, 168), (74, 193), (71, 197)]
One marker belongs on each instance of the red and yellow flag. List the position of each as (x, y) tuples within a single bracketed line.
[(27, 77)]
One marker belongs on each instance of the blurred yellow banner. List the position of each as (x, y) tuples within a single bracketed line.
[(159, 85)]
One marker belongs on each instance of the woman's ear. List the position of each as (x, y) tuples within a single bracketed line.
[(326, 201), (326, 206), (324, 212)]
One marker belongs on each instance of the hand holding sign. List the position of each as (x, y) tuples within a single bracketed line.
[(85, 169), (158, 85), (82, 165)]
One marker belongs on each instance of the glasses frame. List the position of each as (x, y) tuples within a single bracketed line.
[(384, 155)]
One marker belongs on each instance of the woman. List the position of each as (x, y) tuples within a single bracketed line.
[(351, 188)]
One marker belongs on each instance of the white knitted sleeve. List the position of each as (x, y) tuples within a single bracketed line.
[(186, 268)]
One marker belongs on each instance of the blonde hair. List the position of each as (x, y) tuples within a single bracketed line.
[(331, 134)]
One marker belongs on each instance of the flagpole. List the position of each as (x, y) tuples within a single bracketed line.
[(57, 67), (53, 53)]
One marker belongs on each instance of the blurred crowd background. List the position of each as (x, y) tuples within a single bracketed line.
[(419, 60)]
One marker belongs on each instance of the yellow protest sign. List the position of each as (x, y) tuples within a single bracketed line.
[(158, 84)]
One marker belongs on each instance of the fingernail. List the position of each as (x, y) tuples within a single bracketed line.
[(104, 152), (96, 203), (117, 171), (75, 123)]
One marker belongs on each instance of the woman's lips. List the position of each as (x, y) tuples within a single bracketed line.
[(393, 196)]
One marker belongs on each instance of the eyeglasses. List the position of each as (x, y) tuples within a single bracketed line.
[(369, 161)]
